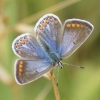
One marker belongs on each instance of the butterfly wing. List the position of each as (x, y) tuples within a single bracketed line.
[(26, 46), (27, 71), (75, 32), (49, 29)]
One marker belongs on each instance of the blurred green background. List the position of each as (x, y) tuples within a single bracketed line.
[(20, 16)]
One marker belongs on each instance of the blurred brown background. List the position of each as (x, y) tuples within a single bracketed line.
[(20, 16)]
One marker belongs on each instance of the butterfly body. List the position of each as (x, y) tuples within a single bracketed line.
[(52, 44), (51, 55)]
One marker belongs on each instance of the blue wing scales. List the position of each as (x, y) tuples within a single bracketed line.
[(49, 28)]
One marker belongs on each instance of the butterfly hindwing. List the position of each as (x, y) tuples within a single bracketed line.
[(75, 32), (27, 71)]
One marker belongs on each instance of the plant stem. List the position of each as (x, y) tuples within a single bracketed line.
[(52, 77)]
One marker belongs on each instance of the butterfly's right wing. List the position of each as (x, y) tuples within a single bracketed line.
[(75, 33), (27, 71)]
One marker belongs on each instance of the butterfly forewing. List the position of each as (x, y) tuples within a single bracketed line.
[(27, 71), (75, 32), (49, 28), (26, 46)]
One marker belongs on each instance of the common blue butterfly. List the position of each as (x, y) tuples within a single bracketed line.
[(53, 43)]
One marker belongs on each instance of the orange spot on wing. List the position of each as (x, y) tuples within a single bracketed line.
[(44, 24), (20, 66), (73, 25), (47, 20), (26, 39), (40, 27), (22, 42), (77, 25), (68, 25), (19, 44), (50, 19), (21, 62), (19, 52), (55, 21), (20, 70)]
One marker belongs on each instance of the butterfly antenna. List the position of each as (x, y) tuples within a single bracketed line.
[(74, 65)]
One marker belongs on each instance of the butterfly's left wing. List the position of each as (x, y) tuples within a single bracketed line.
[(75, 32), (48, 29), (27, 47), (27, 71)]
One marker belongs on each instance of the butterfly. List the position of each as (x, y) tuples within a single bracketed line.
[(52, 44)]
